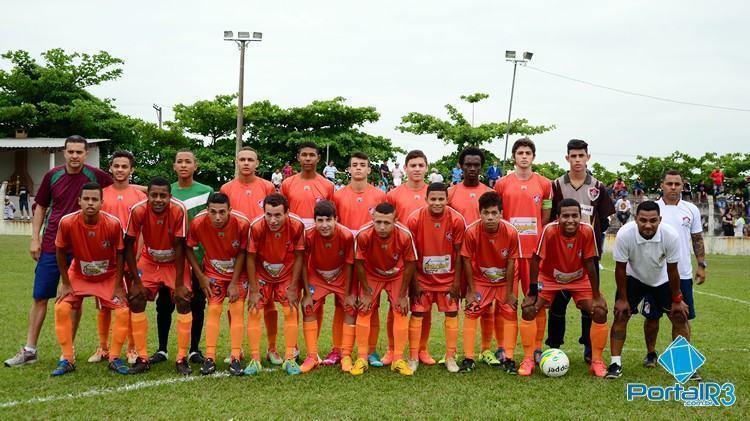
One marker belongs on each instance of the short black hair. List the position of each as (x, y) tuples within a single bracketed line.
[(670, 172), (575, 144), (160, 181), (567, 202), (185, 150), (414, 154), (308, 144), (524, 141), (437, 187), (385, 208), (124, 154), (490, 199), (471, 150), (92, 185), (219, 198), (358, 155), (76, 139), (325, 208), (276, 199), (647, 206)]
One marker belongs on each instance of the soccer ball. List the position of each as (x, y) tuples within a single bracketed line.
[(554, 363)]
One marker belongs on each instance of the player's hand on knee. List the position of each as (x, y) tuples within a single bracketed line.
[(350, 301), (253, 300), (292, 297), (598, 302), (119, 295), (233, 292), (365, 302), (679, 311), (205, 284), (622, 309), (181, 294), (307, 303), (63, 291), (403, 305), (528, 307), (512, 301)]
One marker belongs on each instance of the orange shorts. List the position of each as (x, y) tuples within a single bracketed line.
[(392, 288), (273, 292), (220, 287), (423, 302), (523, 274), (103, 291), (319, 293), (486, 295), (154, 275), (579, 289)]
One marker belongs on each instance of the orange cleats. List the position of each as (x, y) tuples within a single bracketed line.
[(598, 368), (346, 364), (527, 367), (425, 358), (387, 357), (309, 364)]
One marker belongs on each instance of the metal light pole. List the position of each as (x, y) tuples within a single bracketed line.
[(511, 56), (158, 114), (241, 39)]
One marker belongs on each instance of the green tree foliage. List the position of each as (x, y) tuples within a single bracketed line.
[(213, 119), (550, 169)]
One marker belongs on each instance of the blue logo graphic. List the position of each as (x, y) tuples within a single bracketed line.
[(681, 359)]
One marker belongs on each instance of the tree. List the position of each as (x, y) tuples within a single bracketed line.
[(550, 169), (213, 119)]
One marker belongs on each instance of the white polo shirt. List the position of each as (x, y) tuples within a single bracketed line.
[(685, 218), (647, 259)]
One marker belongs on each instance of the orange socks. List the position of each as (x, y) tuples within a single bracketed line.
[(290, 331), (131, 339), (310, 331), (528, 335), (139, 322), (236, 321), (510, 333), (213, 318), (400, 335), (415, 336), (541, 324), (103, 320), (64, 329), (184, 323), (389, 328), (487, 322), (253, 332), (498, 323), (347, 343), (119, 332), (470, 329), (374, 330), (363, 334), (451, 336), (426, 326), (598, 340), (271, 319), (338, 327)]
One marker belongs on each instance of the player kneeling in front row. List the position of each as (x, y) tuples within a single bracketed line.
[(223, 234), (490, 249), (329, 254), (438, 232), (646, 254), (95, 239), (565, 261), (384, 260)]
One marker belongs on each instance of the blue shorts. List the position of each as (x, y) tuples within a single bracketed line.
[(47, 276), (651, 308)]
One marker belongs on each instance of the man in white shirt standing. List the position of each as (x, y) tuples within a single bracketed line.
[(435, 176), (330, 171), (685, 218), (397, 175), (276, 178), (646, 255), (623, 207)]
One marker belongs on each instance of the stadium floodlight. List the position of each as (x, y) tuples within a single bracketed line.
[(527, 55), (243, 35), (228, 34), (510, 55), (257, 35)]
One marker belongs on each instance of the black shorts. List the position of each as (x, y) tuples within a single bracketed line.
[(656, 300)]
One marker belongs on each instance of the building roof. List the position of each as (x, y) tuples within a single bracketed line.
[(39, 142)]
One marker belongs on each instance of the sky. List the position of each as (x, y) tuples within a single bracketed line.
[(404, 56)]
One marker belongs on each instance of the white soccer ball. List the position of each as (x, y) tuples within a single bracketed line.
[(554, 363)]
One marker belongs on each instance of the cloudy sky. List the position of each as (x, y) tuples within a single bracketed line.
[(403, 56)]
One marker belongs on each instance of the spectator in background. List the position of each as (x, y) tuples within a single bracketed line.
[(687, 191), (9, 212), (717, 176), (623, 207), (287, 171), (702, 193), (397, 175), (619, 186), (385, 174), (739, 226), (435, 176), (329, 172), (382, 186), (727, 223), (456, 174), (493, 173), (276, 178), (639, 188), (23, 202)]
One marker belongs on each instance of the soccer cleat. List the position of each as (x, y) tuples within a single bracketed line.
[(183, 367), (273, 357), (451, 366), (131, 355), (413, 365), (158, 357), (509, 366), (489, 357), (598, 368), (467, 365), (235, 369), (63, 367), (500, 353), (118, 366), (360, 366), (614, 371), (374, 360), (441, 361), (141, 365), (425, 358), (346, 364), (527, 367), (228, 359), (196, 357), (587, 354), (309, 364), (650, 360), (333, 358), (99, 355), (537, 356), (401, 367), (291, 367), (22, 357), (253, 368), (695, 377), (387, 357), (296, 353), (208, 366)]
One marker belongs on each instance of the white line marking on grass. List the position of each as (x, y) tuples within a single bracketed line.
[(106, 391), (736, 300)]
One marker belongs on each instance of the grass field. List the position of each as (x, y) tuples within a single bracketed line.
[(721, 333)]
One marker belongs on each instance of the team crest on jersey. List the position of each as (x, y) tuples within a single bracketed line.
[(341, 253), (260, 203), (593, 193), (537, 198), (91, 233), (106, 244), (236, 244), (360, 200), (449, 236), (504, 253), (685, 221), (318, 199), (395, 256), (580, 253)]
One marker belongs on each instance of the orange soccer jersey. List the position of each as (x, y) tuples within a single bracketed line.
[(406, 200), (326, 257), (248, 198), (94, 246), (159, 229), (120, 202), (221, 245), (435, 239), (384, 258), (466, 200), (562, 257), (522, 206), (489, 253), (274, 251), (304, 194), (355, 209)]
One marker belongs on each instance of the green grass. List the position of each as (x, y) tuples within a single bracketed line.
[(720, 332)]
